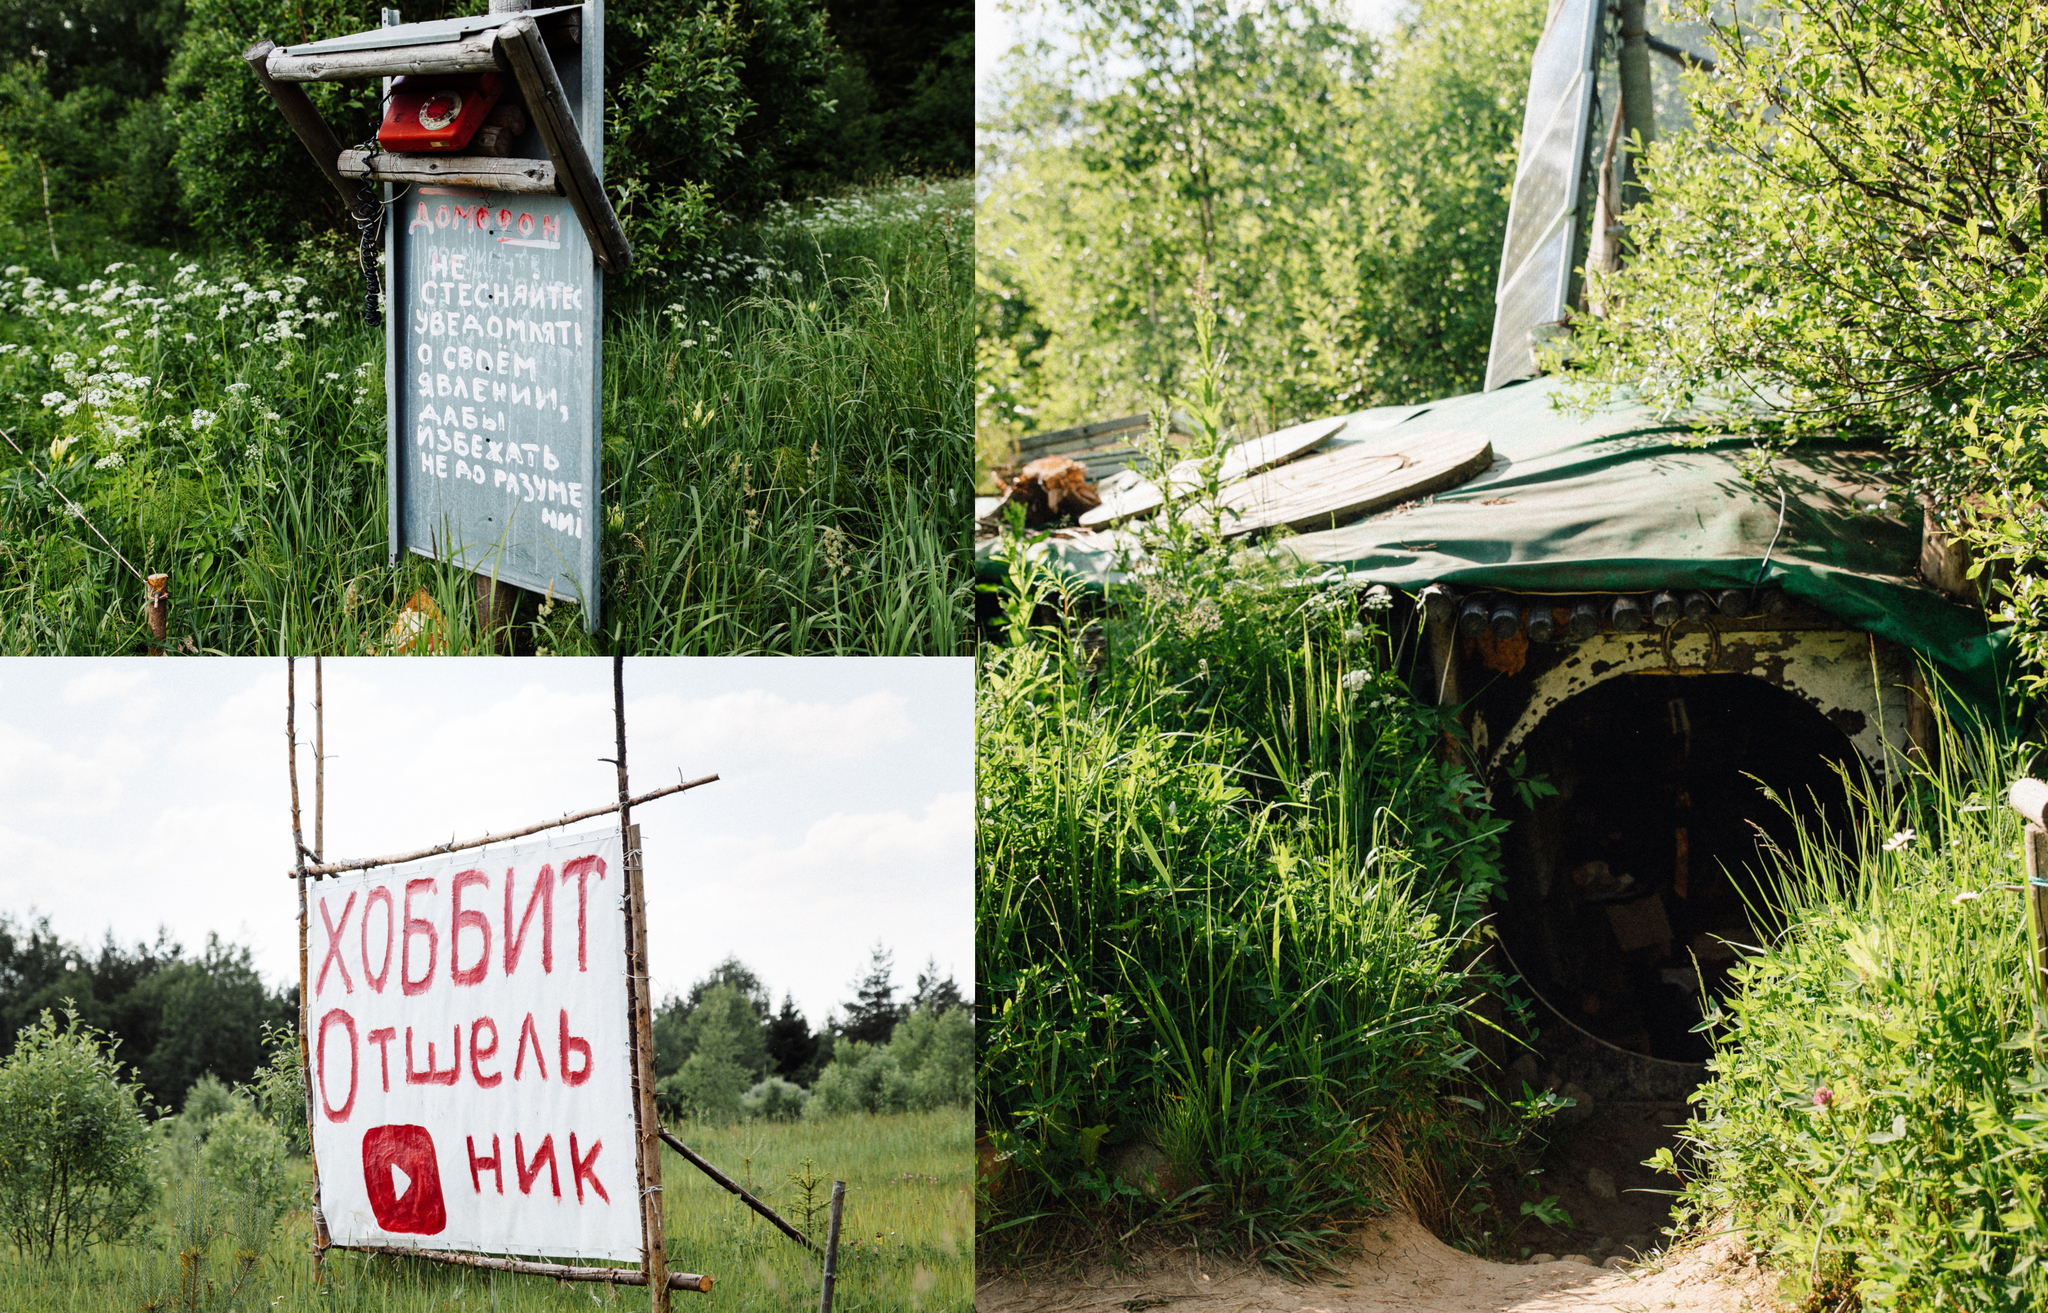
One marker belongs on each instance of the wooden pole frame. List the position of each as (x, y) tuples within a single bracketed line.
[(653, 1271), (640, 1015)]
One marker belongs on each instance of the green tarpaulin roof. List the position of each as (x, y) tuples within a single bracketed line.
[(1623, 500)]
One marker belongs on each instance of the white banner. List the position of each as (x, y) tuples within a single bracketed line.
[(472, 1054)]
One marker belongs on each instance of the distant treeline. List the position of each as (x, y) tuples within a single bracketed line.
[(179, 1017), (140, 121)]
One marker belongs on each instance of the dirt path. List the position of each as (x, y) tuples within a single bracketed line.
[(1400, 1268)]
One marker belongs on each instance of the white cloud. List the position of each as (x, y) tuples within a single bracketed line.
[(106, 681)]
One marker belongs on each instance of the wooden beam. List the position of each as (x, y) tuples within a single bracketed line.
[(520, 49), (618, 1276), (697, 1160), (568, 818), (1079, 438), (475, 54), (312, 130), (491, 173)]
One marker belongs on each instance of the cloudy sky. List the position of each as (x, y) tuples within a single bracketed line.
[(136, 794)]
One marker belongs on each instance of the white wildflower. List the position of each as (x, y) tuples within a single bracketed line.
[(53, 399), (203, 420), (1898, 841), (111, 461)]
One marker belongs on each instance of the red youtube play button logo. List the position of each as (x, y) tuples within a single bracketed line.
[(404, 1180)]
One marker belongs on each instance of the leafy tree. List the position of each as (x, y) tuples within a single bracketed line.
[(790, 1043), (74, 1148), (934, 994), (727, 1054), (1855, 230), (675, 1033), (1344, 200), (119, 46), (871, 1018), (206, 1015)]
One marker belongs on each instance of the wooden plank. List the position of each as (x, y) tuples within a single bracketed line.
[(311, 130), (1055, 441), (433, 32), (1330, 487), (1240, 462), (519, 45), (475, 54), (491, 173), (618, 1276)]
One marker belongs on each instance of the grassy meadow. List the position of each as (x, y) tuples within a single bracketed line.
[(787, 453), (906, 1239)]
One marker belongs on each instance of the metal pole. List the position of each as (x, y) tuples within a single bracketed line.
[(832, 1247)]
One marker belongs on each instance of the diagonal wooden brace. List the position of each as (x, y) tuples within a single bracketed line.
[(305, 120), (520, 49)]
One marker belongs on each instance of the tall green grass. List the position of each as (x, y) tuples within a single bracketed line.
[(1876, 1115), (906, 1240), (786, 451), (1225, 893)]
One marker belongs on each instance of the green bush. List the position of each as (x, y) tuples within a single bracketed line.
[(862, 1077), (245, 1156), (74, 1148), (774, 1099), (1877, 1109)]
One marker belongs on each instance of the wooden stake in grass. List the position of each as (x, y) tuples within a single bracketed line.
[(832, 1248), (159, 604)]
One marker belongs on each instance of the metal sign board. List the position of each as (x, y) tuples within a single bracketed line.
[(471, 1053), (494, 366), (1540, 249)]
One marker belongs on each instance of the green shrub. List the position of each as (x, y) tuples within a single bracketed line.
[(245, 1156), (1878, 1098), (862, 1077), (74, 1149), (936, 1051), (774, 1099)]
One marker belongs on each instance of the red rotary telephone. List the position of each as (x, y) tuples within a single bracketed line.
[(437, 113)]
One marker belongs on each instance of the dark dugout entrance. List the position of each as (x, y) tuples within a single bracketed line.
[(1627, 888)]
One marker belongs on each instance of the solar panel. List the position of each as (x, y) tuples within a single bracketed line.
[(1537, 256)]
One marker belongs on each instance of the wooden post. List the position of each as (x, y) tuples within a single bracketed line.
[(2037, 911), (159, 611), (654, 1241), (305, 120), (1922, 736), (1638, 109), (832, 1248), (521, 50), (496, 602), (291, 742)]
